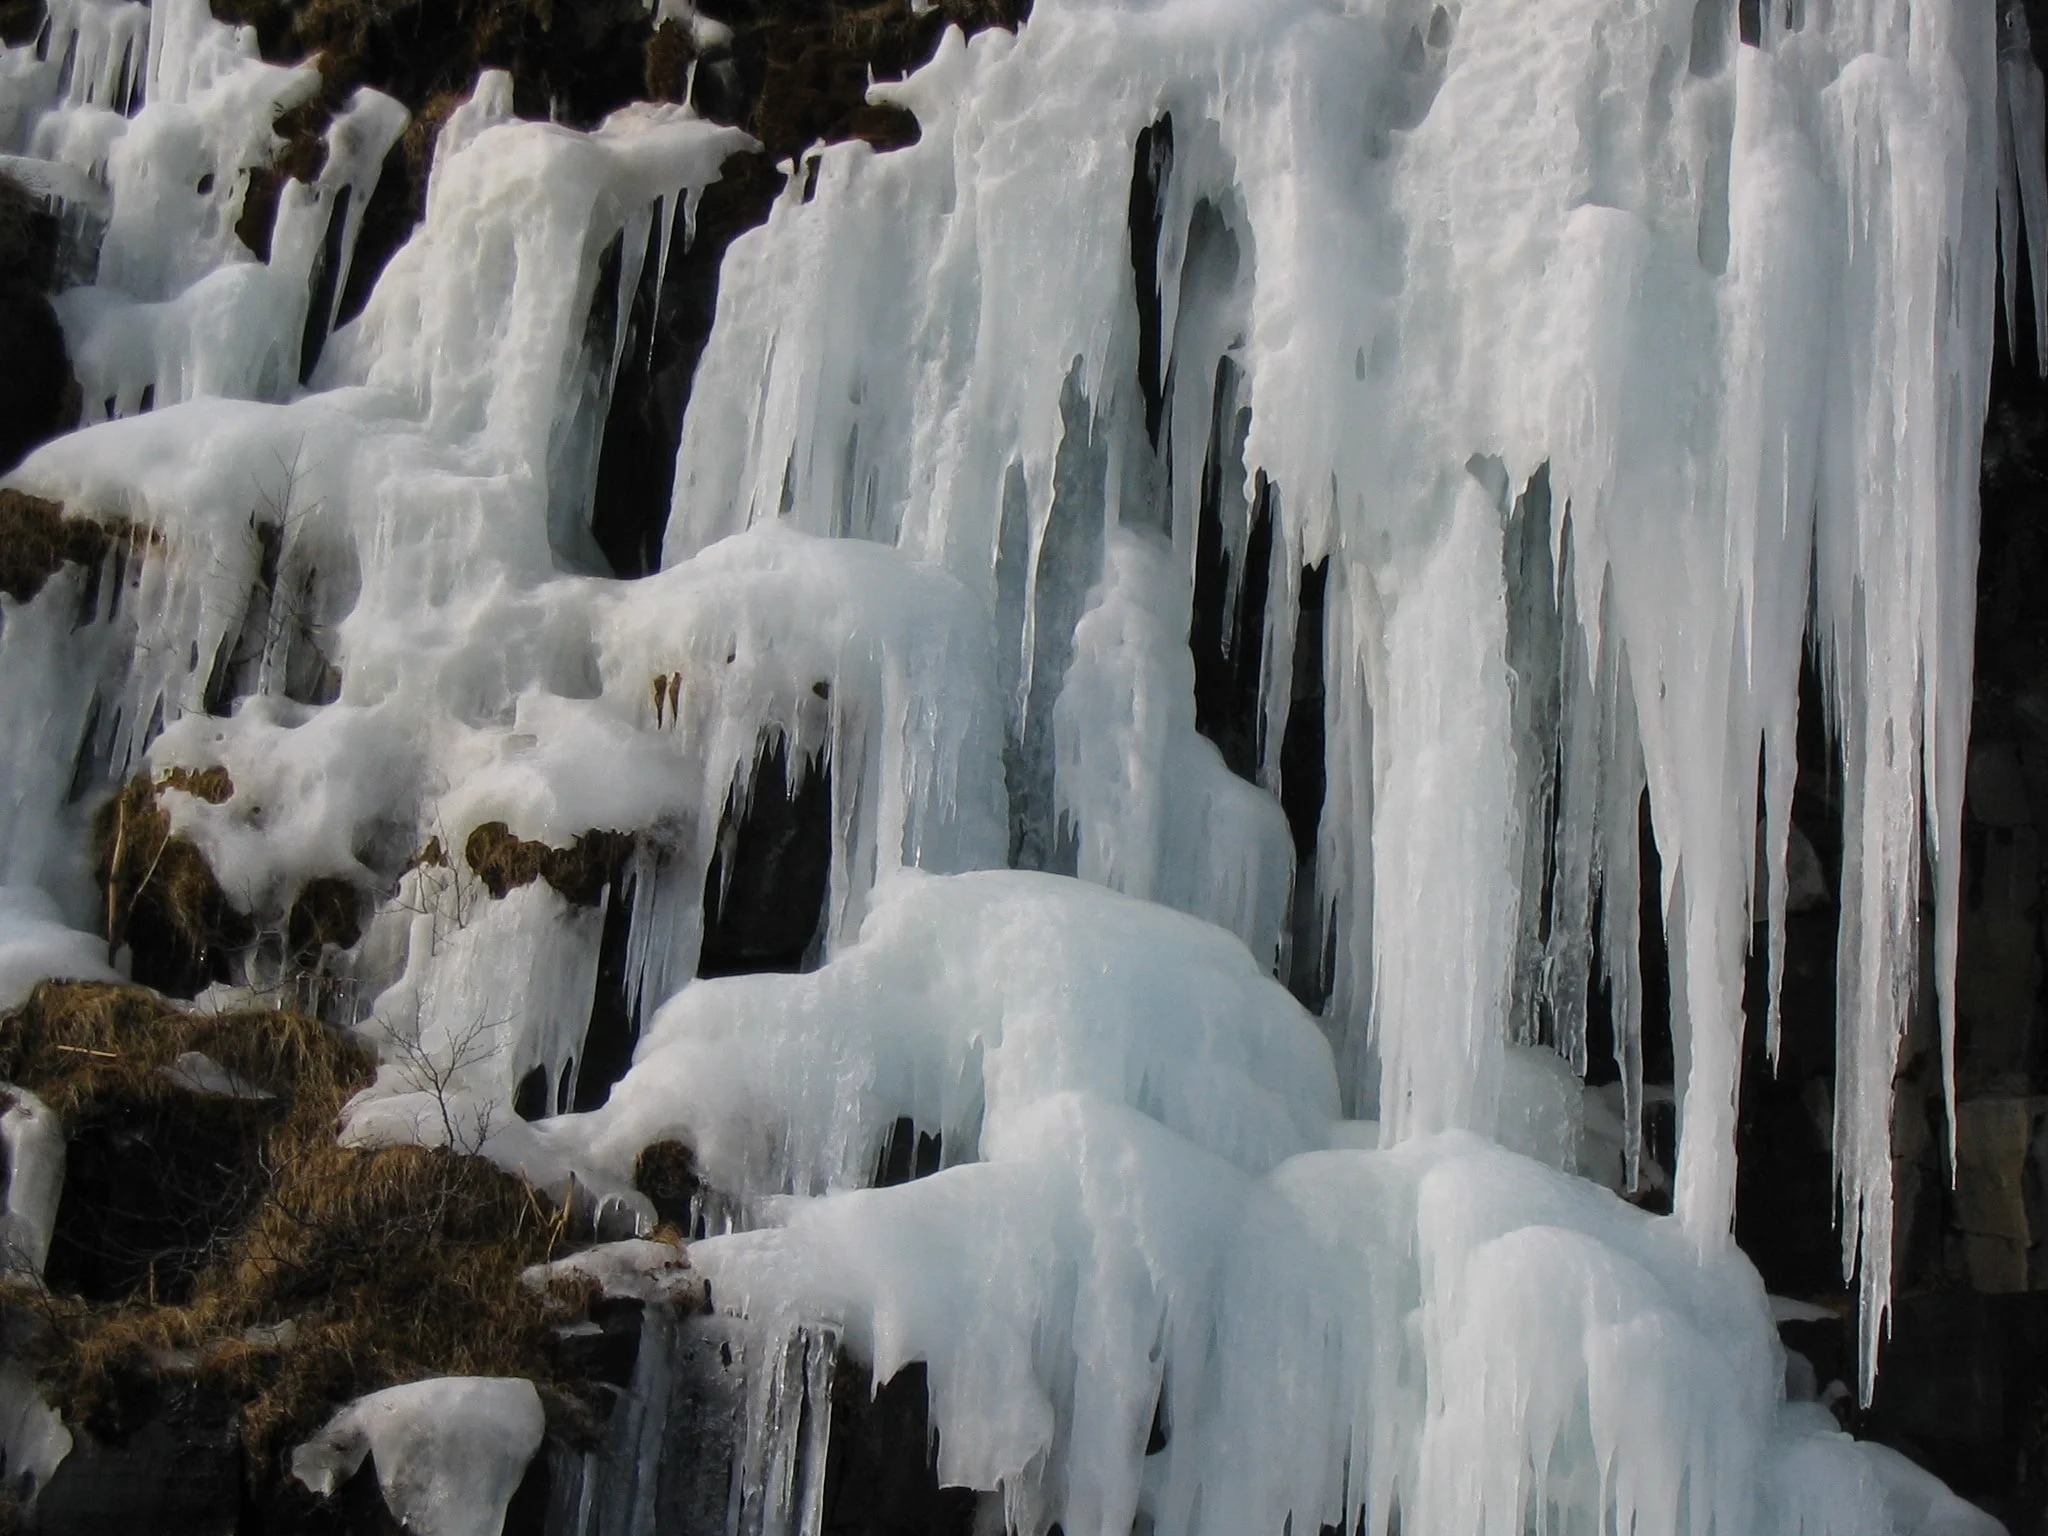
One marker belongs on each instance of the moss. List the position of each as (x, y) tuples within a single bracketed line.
[(154, 1172), (308, 1273), (666, 1173), (667, 59), (213, 785), (162, 899), (37, 539), (581, 872), (326, 911)]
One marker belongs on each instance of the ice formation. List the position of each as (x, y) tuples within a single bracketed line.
[(34, 1146), (448, 1452), (36, 943), (1533, 382)]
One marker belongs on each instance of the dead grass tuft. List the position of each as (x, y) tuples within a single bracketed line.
[(321, 1272), (162, 899), (581, 872)]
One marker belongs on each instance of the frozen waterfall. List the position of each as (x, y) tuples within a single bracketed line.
[(1527, 384)]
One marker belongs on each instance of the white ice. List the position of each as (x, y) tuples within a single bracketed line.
[(635, 1268), (449, 1451), (34, 1144), (36, 945), (33, 1437)]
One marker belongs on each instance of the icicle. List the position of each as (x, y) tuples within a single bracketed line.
[(632, 257), (665, 229)]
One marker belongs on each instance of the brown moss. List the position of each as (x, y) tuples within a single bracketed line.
[(36, 538), (325, 1271), (162, 899), (326, 911), (668, 56), (301, 157), (666, 1173), (581, 872), (214, 785)]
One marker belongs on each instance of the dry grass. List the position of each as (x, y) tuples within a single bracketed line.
[(324, 1272), (162, 899)]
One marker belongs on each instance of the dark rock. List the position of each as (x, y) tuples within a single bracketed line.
[(38, 397), (909, 1153), (881, 1475), (606, 1348), (614, 1026), (580, 872), (180, 1471), (678, 1454), (764, 895), (1963, 1391)]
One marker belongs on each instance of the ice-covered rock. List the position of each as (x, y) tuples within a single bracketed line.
[(449, 1452), (635, 1269), (34, 1146)]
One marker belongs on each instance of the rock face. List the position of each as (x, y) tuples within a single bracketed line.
[(37, 395), (180, 1472), (682, 1453)]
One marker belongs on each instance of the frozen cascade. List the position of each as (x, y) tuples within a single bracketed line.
[(1597, 360)]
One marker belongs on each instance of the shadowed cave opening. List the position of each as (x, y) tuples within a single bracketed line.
[(764, 895)]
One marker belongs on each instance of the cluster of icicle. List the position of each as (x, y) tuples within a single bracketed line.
[(1602, 358)]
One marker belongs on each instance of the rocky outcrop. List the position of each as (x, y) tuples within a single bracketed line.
[(38, 397)]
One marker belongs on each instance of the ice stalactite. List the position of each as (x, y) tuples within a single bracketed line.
[(149, 126), (1740, 329), (1236, 446)]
